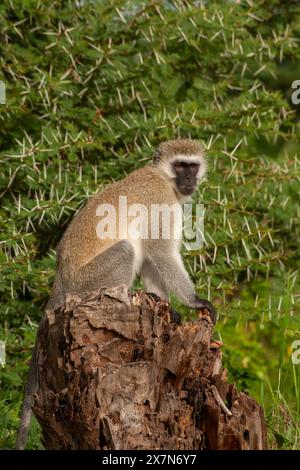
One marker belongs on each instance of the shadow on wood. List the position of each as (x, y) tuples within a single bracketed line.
[(116, 373)]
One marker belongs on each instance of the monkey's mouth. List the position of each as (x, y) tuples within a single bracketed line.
[(186, 190)]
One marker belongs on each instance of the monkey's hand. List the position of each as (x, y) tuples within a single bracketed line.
[(202, 304)]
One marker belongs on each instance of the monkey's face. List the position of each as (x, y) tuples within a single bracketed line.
[(183, 163), (186, 176)]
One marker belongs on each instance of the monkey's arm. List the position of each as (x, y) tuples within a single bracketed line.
[(170, 272)]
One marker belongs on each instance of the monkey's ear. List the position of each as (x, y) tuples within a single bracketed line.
[(157, 155)]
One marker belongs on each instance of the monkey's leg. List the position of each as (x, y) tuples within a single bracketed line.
[(155, 285), (152, 280), (111, 268)]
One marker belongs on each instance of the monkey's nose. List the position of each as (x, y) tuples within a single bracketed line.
[(190, 181), (190, 184)]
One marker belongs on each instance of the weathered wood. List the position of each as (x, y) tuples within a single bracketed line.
[(116, 373)]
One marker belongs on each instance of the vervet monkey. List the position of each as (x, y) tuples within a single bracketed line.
[(86, 262)]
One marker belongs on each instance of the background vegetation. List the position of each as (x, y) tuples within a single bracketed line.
[(92, 88)]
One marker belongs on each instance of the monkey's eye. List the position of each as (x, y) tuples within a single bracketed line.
[(194, 168), (179, 167)]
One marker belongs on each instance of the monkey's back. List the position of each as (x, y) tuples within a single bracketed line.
[(80, 242)]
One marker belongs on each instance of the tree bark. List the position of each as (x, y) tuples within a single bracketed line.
[(116, 373)]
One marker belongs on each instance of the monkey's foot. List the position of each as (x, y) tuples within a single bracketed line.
[(154, 296), (175, 317), (206, 308)]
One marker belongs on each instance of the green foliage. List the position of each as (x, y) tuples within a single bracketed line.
[(91, 90)]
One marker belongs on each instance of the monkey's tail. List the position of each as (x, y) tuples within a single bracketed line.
[(30, 390), (56, 299)]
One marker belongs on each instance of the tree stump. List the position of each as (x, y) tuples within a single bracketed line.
[(116, 373)]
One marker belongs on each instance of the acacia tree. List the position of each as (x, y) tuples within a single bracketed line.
[(92, 88)]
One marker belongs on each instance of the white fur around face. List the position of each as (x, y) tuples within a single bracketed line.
[(166, 166)]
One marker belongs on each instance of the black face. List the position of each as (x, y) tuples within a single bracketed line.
[(185, 176)]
